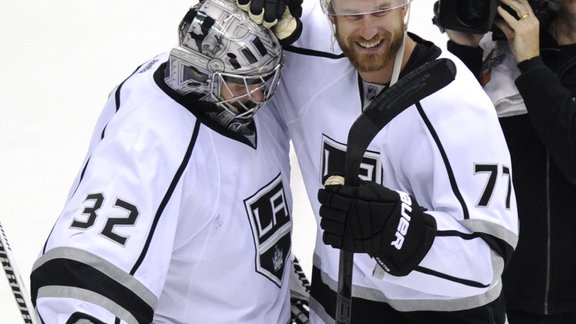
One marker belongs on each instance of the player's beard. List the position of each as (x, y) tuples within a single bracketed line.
[(372, 62)]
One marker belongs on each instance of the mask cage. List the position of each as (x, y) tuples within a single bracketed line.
[(257, 90)]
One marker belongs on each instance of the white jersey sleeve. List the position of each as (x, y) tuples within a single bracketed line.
[(170, 221)]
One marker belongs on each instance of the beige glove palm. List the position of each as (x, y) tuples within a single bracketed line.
[(281, 16)]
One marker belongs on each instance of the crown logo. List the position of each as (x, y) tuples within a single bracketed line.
[(277, 258)]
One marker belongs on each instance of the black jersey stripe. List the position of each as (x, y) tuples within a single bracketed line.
[(117, 104), (371, 311), (496, 244), (466, 282), (168, 195), (60, 273), (449, 170), (466, 236), (501, 247), (77, 317), (119, 88)]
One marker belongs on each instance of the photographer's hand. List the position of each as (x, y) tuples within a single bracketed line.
[(523, 34)]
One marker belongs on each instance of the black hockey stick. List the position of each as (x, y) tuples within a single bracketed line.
[(414, 86), (15, 280)]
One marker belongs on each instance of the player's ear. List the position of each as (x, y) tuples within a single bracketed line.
[(404, 10), (332, 22)]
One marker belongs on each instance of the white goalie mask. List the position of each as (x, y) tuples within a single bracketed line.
[(359, 7), (225, 58)]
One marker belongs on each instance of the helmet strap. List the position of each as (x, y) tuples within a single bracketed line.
[(400, 53)]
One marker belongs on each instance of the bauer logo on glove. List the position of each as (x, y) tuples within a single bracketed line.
[(404, 224)]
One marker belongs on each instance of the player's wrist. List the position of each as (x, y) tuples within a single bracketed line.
[(407, 240)]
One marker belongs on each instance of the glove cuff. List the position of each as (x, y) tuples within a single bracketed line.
[(257, 18), (421, 238), (243, 6)]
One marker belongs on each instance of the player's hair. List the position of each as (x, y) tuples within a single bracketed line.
[(219, 45)]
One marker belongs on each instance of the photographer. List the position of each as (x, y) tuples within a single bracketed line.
[(531, 79)]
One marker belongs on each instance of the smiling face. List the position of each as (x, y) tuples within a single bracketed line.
[(370, 40)]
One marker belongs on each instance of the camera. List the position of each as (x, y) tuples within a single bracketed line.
[(477, 16)]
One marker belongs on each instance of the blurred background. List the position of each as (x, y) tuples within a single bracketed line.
[(59, 59)]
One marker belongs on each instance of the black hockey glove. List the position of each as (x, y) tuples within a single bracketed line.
[(282, 16), (386, 224)]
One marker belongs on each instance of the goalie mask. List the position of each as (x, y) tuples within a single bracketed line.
[(227, 60)]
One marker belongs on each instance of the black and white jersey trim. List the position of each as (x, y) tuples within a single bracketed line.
[(374, 301), (503, 248), (74, 273), (450, 173), (168, 194)]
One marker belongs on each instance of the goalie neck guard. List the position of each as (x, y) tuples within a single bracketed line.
[(226, 60)]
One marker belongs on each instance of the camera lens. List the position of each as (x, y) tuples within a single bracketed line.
[(472, 13)]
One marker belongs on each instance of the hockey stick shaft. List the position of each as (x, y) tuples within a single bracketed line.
[(15, 281), (411, 88), (415, 86)]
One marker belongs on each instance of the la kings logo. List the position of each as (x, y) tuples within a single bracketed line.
[(271, 226), (333, 159)]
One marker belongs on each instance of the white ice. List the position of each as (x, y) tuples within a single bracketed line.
[(58, 62)]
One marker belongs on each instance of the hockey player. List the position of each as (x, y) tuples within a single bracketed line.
[(434, 221), (181, 212)]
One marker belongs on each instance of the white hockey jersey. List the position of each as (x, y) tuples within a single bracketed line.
[(448, 151), (169, 220)]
